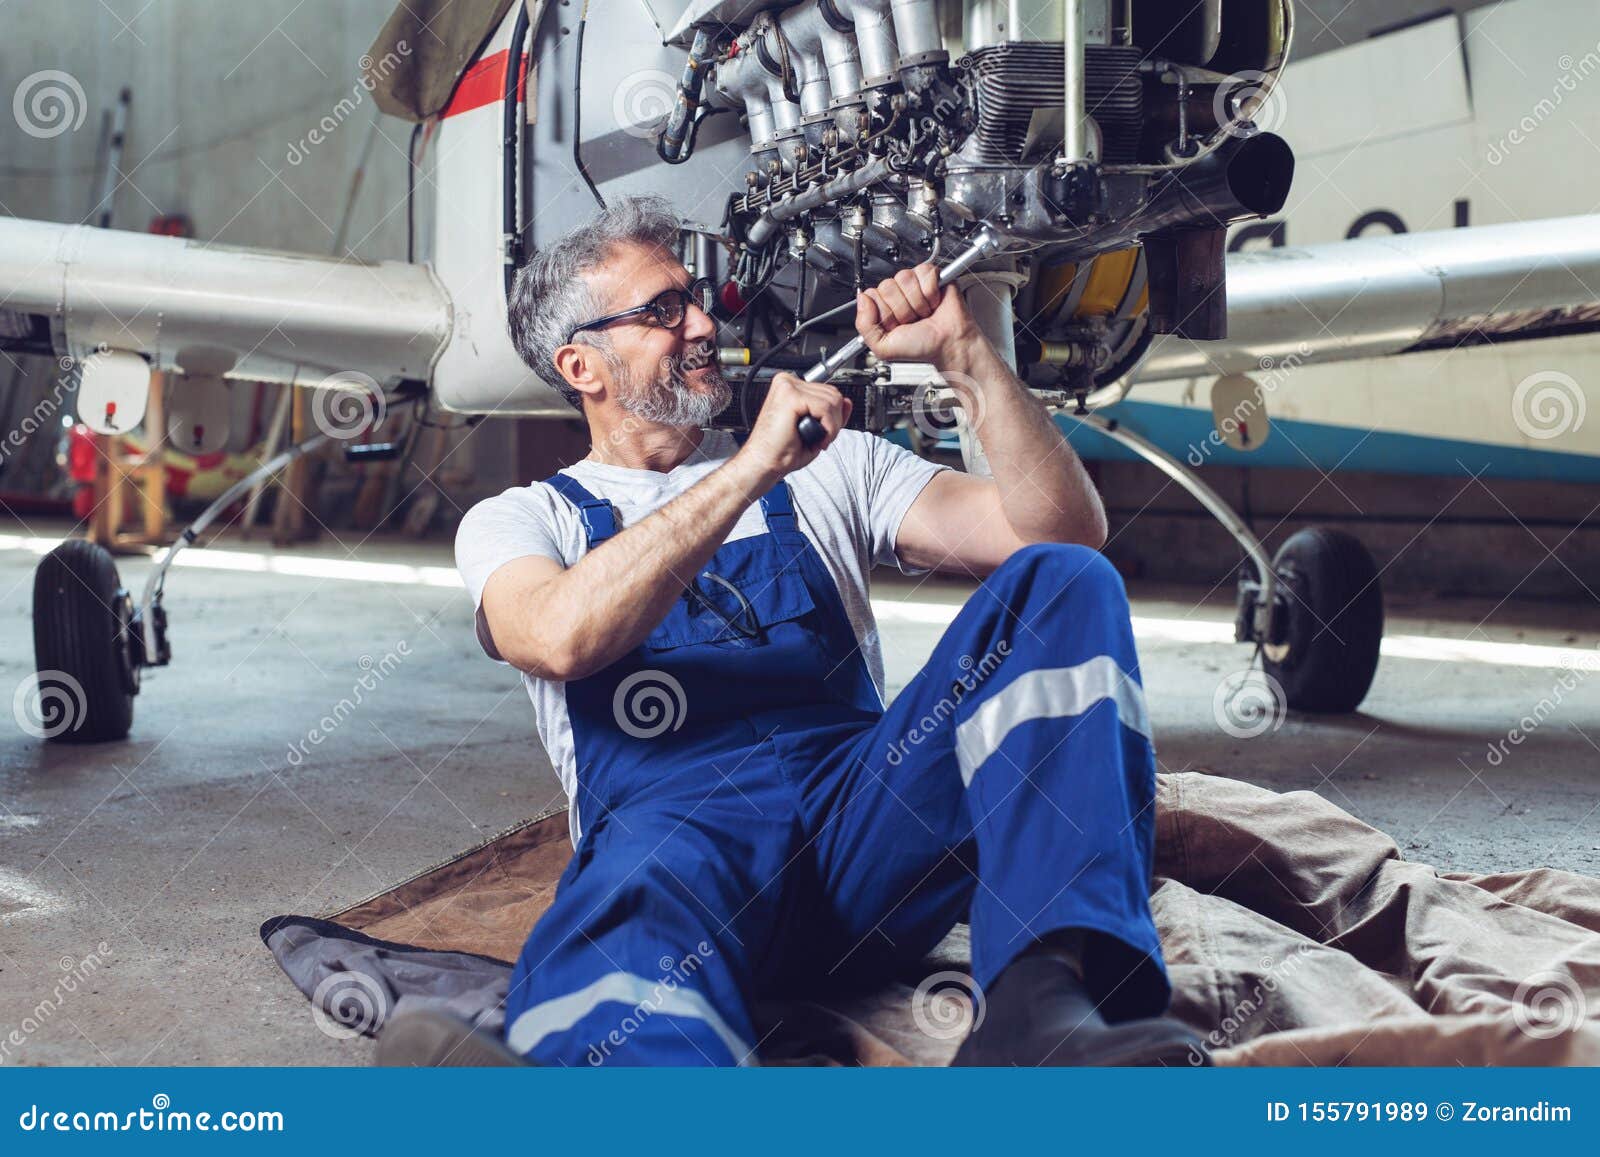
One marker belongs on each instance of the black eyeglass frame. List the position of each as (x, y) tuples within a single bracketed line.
[(700, 292), (745, 626)]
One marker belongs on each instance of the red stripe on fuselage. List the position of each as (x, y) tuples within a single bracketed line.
[(483, 83)]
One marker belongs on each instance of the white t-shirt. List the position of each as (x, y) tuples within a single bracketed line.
[(849, 503)]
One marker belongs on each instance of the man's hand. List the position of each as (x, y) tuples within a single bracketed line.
[(567, 624), (774, 449), (910, 318)]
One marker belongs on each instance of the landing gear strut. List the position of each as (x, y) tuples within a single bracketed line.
[(1316, 608), (91, 642)]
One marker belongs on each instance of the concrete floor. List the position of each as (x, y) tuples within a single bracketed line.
[(170, 848)]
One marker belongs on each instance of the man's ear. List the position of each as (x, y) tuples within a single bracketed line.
[(582, 367)]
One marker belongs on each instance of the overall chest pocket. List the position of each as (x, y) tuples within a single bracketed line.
[(747, 588)]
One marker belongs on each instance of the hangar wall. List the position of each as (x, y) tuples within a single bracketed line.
[(249, 119)]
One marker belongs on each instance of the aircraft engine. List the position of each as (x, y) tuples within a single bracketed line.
[(1110, 139)]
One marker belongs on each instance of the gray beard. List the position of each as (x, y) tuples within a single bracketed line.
[(669, 399)]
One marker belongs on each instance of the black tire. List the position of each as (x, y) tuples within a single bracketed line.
[(1333, 602), (86, 681)]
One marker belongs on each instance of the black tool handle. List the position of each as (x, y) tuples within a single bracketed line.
[(811, 431)]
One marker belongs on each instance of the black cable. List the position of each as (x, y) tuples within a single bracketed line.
[(411, 193), (511, 149), (577, 120), (800, 299)]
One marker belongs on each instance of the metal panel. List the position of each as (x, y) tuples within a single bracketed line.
[(1395, 86)]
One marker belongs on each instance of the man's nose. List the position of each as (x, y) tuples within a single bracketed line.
[(697, 324)]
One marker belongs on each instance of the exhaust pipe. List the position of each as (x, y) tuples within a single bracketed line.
[(1245, 177), (1186, 230)]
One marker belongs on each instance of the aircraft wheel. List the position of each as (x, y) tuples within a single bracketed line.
[(1333, 603), (86, 681)]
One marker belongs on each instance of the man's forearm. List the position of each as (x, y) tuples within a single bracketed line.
[(617, 593), (1045, 491)]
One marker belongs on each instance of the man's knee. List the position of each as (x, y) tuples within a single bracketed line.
[(1057, 571)]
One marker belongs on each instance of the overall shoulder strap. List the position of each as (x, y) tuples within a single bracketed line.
[(599, 520), (777, 505)]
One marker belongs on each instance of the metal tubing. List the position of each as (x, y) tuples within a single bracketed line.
[(1208, 498), (830, 64), (874, 31), (852, 182), (916, 27), (801, 26), (1074, 109), (158, 574), (743, 82)]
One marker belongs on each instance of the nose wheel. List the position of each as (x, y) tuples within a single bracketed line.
[(1329, 621), (83, 648)]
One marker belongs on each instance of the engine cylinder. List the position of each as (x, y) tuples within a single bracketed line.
[(1015, 80)]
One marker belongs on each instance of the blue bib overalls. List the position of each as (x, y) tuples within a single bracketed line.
[(756, 824)]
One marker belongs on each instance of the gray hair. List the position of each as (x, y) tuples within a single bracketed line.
[(550, 293)]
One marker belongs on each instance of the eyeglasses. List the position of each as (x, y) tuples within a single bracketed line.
[(667, 307), (744, 625)]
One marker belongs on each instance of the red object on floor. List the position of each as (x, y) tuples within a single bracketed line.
[(83, 451)]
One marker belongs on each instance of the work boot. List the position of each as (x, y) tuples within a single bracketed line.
[(1039, 1013), (428, 1038)]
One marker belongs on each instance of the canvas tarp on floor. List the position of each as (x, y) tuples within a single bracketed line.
[(1294, 934)]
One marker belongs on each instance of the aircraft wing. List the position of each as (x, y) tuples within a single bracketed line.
[(217, 310), (1404, 293)]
